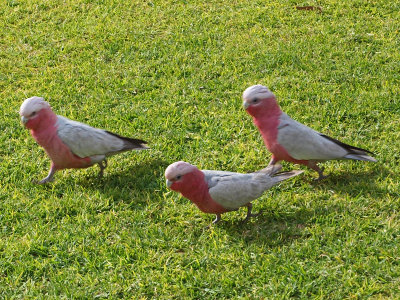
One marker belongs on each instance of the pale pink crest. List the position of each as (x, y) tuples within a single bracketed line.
[(178, 168), (32, 105), (257, 91)]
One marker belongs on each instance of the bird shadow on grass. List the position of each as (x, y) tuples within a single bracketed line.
[(281, 228), (129, 183), (271, 227), (355, 184), (265, 229)]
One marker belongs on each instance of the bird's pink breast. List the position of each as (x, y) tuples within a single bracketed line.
[(45, 133), (268, 128), (61, 155), (195, 188), (205, 203)]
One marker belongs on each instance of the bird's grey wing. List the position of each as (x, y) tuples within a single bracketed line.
[(212, 176), (234, 191), (304, 143), (84, 140)]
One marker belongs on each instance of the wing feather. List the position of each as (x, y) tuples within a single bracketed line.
[(84, 140), (235, 190), (304, 143)]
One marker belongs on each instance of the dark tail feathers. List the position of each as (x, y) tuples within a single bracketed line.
[(354, 152), (351, 149), (131, 144)]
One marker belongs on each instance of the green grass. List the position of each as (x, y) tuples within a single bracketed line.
[(172, 73)]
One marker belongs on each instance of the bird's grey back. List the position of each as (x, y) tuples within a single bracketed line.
[(233, 190), (213, 177), (86, 141)]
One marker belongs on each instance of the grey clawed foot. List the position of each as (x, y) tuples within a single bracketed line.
[(249, 214), (43, 181), (217, 219), (102, 165), (49, 177), (321, 177), (321, 174), (313, 165)]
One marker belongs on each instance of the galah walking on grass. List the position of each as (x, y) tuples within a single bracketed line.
[(71, 144), (217, 192), (292, 141)]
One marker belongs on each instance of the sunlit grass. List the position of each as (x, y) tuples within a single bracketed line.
[(172, 73)]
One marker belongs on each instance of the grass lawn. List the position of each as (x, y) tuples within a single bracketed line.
[(172, 73)]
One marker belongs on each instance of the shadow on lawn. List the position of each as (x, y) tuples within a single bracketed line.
[(356, 183), (141, 178), (272, 228)]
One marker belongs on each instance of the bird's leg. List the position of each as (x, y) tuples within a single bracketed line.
[(102, 165), (321, 174), (313, 165), (217, 219), (273, 161), (49, 176), (249, 214)]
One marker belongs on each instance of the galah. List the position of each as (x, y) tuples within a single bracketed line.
[(217, 192), (290, 140), (71, 144)]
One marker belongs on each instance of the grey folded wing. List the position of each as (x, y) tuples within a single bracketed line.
[(304, 143), (233, 190), (84, 140)]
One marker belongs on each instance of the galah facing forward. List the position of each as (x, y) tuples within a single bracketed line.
[(217, 192), (71, 144), (292, 141)]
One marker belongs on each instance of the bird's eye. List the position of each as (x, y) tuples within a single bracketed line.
[(255, 100), (178, 177), (32, 114)]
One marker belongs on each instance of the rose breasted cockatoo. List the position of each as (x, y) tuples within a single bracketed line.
[(71, 144), (217, 192), (292, 141)]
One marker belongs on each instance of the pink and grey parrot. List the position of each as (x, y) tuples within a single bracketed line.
[(217, 192), (71, 144), (292, 141)]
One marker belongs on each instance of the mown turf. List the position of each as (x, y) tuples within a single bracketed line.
[(172, 73)]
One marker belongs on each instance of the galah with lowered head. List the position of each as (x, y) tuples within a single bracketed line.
[(71, 144), (217, 192), (290, 140)]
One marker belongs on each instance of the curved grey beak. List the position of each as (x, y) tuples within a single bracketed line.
[(169, 183), (24, 120), (246, 104)]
